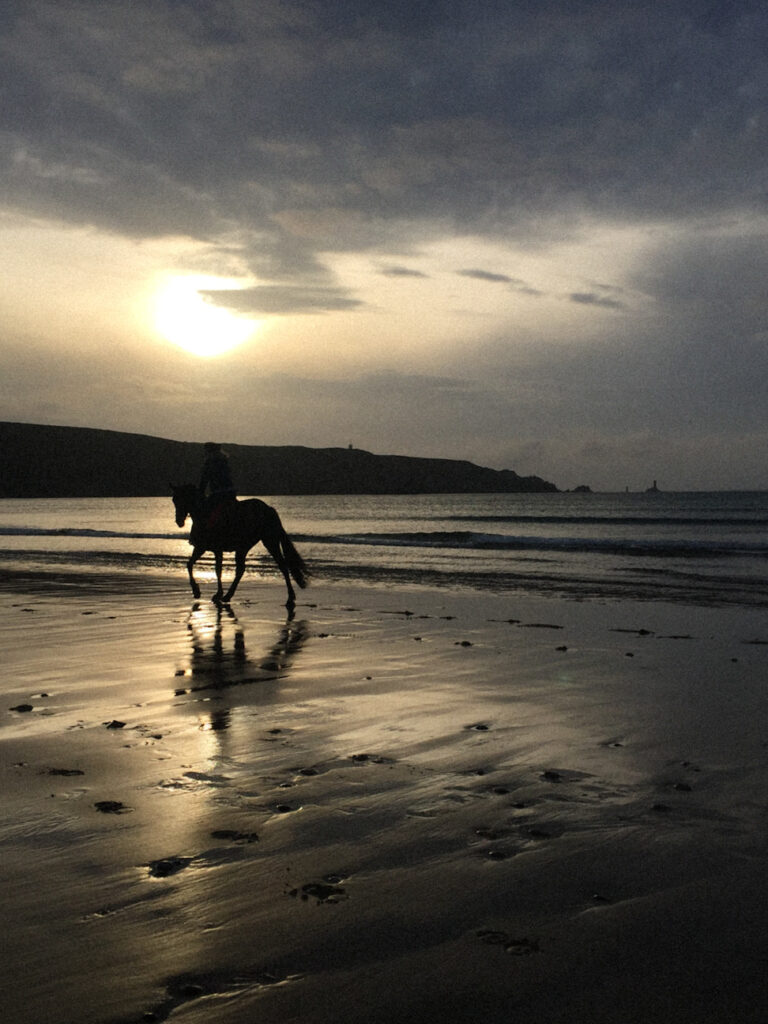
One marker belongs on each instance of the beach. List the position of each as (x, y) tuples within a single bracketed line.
[(402, 803)]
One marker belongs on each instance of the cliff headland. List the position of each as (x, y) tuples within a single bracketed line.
[(40, 461)]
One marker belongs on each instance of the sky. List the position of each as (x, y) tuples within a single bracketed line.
[(527, 233)]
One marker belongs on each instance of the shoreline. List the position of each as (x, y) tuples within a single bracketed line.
[(400, 802)]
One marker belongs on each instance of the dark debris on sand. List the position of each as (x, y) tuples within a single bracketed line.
[(326, 891), (111, 807)]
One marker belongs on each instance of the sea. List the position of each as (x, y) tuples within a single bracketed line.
[(699, 548)]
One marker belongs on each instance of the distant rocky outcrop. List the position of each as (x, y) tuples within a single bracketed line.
[(49, 461)]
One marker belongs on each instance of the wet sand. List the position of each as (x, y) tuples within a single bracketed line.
[(397, 805)]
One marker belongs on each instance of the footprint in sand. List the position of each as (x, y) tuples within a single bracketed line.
[(564, 775), (515, 946), (188, 988), (492, 834), (167, 866), (241, 838), (212, 780), (497, 854)]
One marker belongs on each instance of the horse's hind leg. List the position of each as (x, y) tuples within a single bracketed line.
[(239, 570), (272, 544)]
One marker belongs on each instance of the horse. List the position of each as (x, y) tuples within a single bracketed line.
[(248, 522)]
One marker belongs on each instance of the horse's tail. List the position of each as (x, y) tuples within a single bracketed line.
[(296, 565)]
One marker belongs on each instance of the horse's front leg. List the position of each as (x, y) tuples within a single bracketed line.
[(197, 553), (218, 597), (239, 570)]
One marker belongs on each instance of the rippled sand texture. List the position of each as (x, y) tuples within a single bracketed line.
[(396, 805)]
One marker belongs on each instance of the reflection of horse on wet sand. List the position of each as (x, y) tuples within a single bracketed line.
[(219, 659), (220, 676), (244, 524)]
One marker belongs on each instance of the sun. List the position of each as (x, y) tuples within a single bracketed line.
[(186, 318)]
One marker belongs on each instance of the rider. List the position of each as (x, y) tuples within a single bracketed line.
[(216, 488)]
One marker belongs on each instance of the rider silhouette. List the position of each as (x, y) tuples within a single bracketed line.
[(216, 489)]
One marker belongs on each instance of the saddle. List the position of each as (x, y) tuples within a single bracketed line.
[(217, 523)]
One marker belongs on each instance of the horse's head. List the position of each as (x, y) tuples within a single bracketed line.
[(185, 499)]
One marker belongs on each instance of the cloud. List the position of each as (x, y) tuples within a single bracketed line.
[(214, 120), (397, 271), (282, 299), (486, 275), (592, 299), (515, 283)]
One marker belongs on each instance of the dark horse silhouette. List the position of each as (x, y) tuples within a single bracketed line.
[(248, 522)]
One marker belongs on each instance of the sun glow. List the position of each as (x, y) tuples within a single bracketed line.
[(186, 318)]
